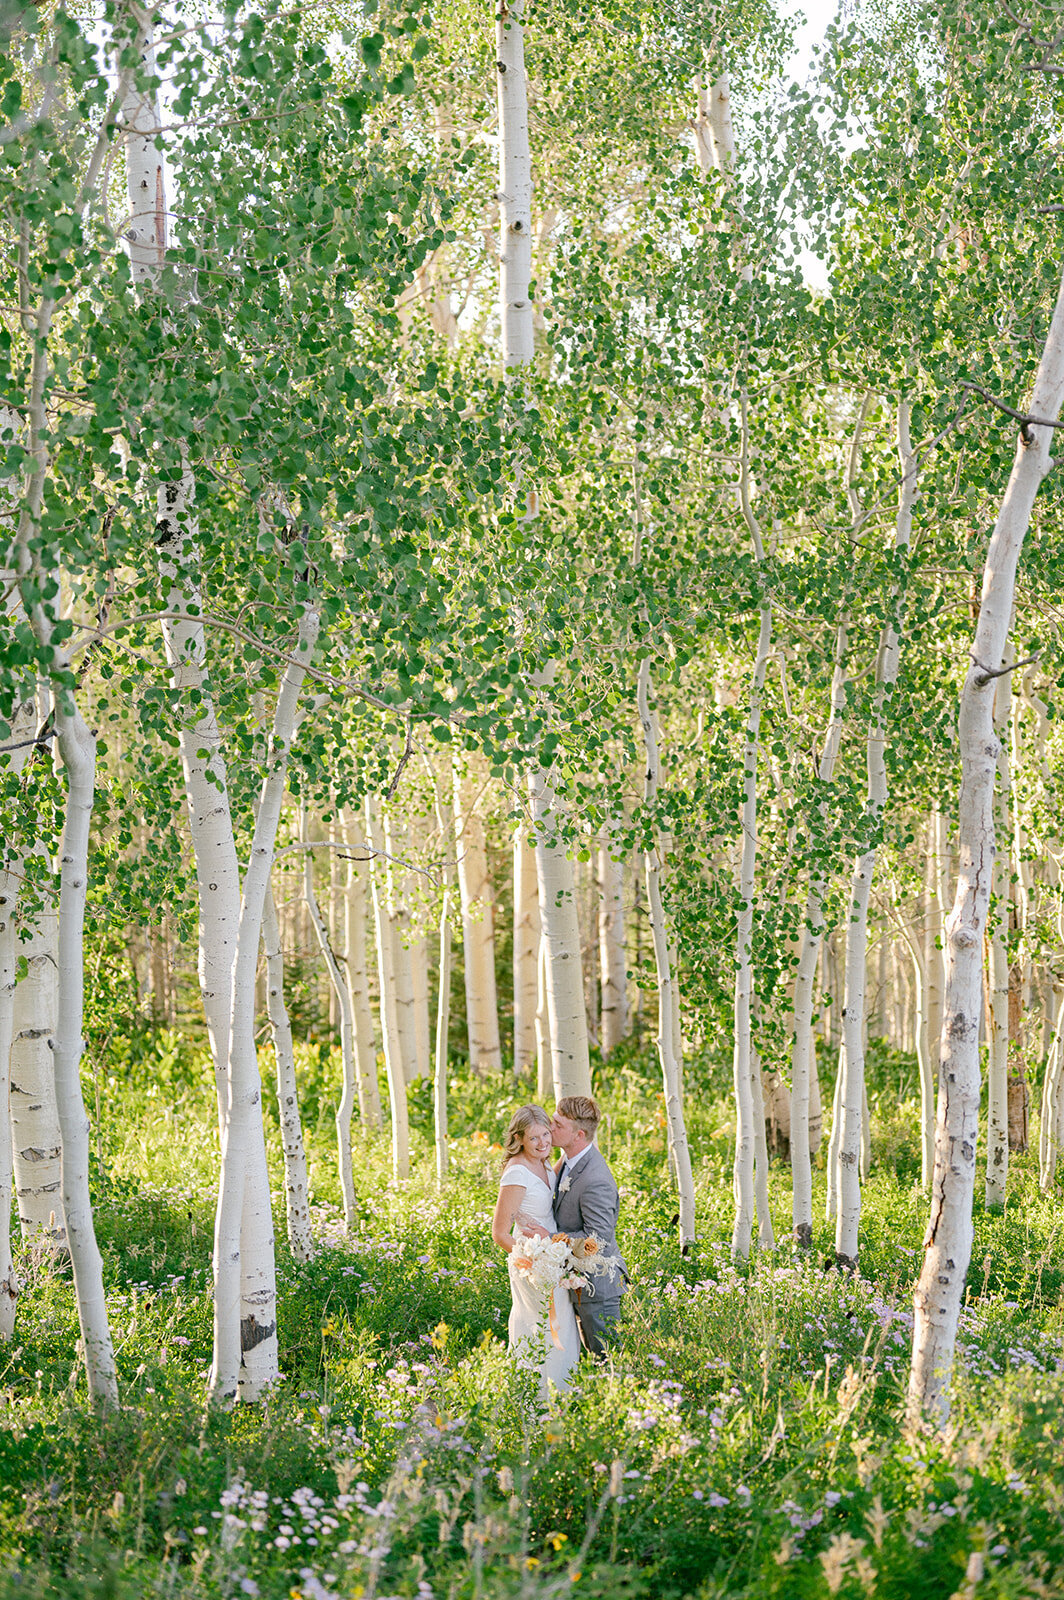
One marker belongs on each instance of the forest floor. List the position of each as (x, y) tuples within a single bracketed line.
[(747, 1438)]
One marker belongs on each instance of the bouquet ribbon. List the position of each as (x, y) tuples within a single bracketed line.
[(552, 1318)]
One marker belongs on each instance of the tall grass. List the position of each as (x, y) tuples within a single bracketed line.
[(745, 1439)]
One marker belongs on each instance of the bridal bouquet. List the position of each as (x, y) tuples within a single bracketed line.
[(586, 1260), (544, 1262), (558, 1263)]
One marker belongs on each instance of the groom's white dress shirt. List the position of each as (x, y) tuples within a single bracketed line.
[(568, 1163)]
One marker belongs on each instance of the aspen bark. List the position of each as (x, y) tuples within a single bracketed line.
[(936, 900), (570, 1058), (745, 1063), (355, 916), (526, 950), (35, 1133), (1051, 1131), (9, 1285), (997, 1011), (926, 1063), (561, 929), (478, 932), (715, 144), (544, 1063), (669, 1048), (947, 1250), (515, 187), (393, 1060), (445, 823), (854, 1149), (349, 1085), (245, 1309), (296, 1186), (613, 964), (419, 973), (831, 1202), (77, 748), (803, 1055), (399, 922), (202, 753)]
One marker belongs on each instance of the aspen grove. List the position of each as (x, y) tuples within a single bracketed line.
[(532, 568)]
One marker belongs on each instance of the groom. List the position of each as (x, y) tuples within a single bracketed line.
[(587, 1202)]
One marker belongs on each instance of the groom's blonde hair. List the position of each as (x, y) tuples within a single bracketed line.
[(582, 1112)]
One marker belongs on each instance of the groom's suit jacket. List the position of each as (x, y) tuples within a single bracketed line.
[(590, 1205)]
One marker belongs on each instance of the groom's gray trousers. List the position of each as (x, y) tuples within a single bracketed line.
[(596, 1318)]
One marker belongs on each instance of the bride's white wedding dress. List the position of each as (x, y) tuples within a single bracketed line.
[(530, 1335)]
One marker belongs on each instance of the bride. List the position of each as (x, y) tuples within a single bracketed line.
[(526, 1202)]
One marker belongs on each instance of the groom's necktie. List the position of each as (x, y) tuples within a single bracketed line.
[(563, 1174)]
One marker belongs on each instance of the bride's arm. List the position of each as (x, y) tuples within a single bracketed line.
[(507, 1206)]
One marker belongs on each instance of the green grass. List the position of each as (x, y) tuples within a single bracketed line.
[(746, 1440)]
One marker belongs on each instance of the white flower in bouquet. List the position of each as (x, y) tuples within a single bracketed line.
[(544, 1262)]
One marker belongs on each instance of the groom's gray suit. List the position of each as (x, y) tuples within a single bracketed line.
[(590, 1205)]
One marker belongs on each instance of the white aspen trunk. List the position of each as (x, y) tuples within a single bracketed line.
[(669, 1048), (393, 1060), (940, 1290), (296, 1187), (77, 748), (852, 1100), (854, 1147), (561, 929), (245, 1307), (334, 924), (613, 965), (587, 899), (29, 1133), (478, 933), (526, 950), (399, 922), (1051, 1131), (9, 1285), (717, 139), (445, 822), (934, 935), (544, 1063), (926, 1066), (570, 1059), (419, 973), (831, 1203), (202, 753), (766, 1237), (745, 1064), (355, 913), (997, 1076), (37, 1141), (803, 1056), (515, 187), (177, 539), (349, 1086), (802, 1067)]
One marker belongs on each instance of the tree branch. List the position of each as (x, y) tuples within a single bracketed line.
[(988, 674), (1024, 418)]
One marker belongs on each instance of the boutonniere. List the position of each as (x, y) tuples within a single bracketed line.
[(565, 1185)]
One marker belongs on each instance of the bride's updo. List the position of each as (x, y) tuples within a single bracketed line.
[(520, 1123)]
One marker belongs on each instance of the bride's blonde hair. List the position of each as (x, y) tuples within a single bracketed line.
[(520, 1123)]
